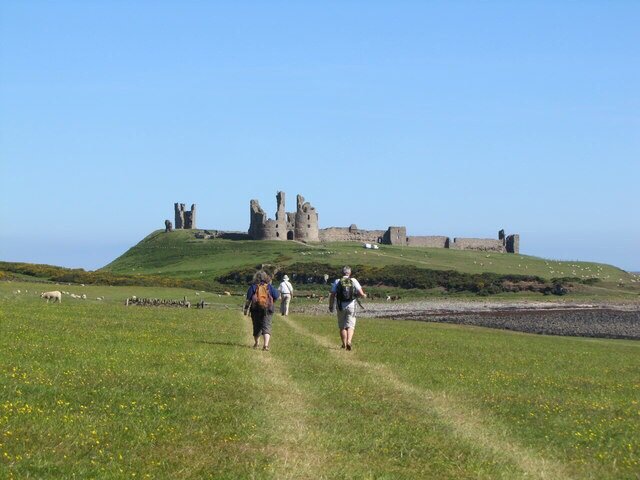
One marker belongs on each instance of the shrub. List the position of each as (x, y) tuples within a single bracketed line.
[(408, 277)]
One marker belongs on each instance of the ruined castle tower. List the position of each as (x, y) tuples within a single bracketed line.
[(184, 218), (395, 236), (306, 228), (512, 243), (284, 228), (301, 225)]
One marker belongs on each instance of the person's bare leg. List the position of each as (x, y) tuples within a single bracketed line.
[(267, 337), (343, 336), (350, 332)]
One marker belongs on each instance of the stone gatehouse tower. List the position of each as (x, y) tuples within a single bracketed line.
[(299, 225), (185, 218)]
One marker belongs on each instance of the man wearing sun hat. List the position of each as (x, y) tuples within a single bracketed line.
[(286, 292)]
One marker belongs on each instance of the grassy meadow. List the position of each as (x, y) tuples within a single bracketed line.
[(94, 389), (180, 254)]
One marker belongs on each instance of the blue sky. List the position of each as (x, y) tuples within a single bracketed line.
[(452, 118)]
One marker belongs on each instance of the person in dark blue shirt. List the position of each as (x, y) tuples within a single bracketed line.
[(261, 296)]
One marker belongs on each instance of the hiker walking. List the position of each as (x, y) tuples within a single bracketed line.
[(260, 298), (286, 290), (344, 294)]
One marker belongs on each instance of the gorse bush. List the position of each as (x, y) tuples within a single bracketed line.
[(405, 277), (78, 275), (410, 277)]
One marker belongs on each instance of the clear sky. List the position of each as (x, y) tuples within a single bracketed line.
[(451, 118)]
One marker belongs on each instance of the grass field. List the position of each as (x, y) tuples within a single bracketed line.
[(181, 255), (93, 389)]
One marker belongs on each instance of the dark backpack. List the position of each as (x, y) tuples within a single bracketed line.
[(262, 297), (345, 292)]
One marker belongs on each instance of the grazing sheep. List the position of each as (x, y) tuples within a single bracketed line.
[(227, 293), (55, 295)]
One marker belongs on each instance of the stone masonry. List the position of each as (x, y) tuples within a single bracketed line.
[(299, 225), (185, 219), (302, 225)]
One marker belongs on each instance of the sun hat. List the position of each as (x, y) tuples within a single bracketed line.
[(285, 278)]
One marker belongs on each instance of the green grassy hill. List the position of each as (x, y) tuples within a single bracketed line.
[(180, 254)]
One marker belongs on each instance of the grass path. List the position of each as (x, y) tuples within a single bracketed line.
[(463, 420), (291, 444)]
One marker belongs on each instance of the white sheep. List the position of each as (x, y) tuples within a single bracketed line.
[(55, 295)]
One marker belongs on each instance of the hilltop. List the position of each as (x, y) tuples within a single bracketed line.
[(179, 254)]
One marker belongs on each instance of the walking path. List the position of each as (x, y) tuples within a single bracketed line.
[(463, 420), (291, 444)]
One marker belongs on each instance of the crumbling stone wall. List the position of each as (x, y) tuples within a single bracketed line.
[(213, 234), (482, 244), (350, 234), (428, 241), (185, 218), (261, 227)]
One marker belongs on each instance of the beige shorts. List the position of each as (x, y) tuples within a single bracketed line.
[(347, 316)]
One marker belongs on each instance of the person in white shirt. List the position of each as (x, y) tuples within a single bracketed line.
[(286, 294), (344, 293)]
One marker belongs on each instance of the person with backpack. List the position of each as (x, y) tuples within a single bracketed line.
[(344, 294), (286, 290), (260, 300)]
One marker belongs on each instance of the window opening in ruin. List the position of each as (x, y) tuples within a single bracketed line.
[(276, 225), (277, 234), (308, 226), (308, 217)]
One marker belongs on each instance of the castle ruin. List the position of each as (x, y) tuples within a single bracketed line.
[(185, 219), (302, 225)]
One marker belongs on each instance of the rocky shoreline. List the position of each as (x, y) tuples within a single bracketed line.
[(605, 320)]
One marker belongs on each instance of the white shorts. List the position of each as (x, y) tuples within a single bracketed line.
[(347, 316)]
